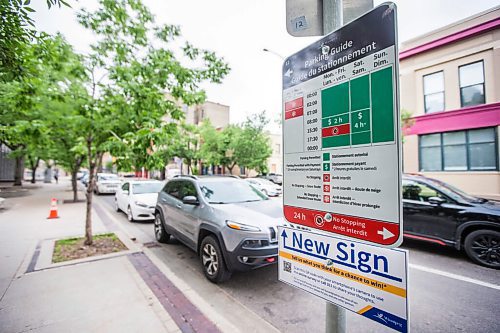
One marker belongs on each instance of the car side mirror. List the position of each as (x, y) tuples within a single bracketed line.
[(190, 200), (436, 200)]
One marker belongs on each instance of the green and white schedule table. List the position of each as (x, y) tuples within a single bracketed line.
[(342, 155), (351, 116)]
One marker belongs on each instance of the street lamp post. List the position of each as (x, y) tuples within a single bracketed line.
[(273, 52)]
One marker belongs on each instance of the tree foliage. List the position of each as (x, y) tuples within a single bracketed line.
[(27, 104), (252, 148), (245, 145), (17, 31)]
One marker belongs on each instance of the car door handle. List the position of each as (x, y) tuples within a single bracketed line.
[(178, 205), (163, 200)]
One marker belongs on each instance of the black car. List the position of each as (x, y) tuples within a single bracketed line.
[(437, 212)]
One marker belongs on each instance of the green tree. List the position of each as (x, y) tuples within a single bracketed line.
[(131, 68), (229, 145), (252, 146), (211, 144), (406, 122), (187, 146), (25, 102), (17, 30)]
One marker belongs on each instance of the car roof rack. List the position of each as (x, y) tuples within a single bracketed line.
[(188, 176)]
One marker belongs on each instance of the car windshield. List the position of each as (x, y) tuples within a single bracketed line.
[(230, 191), (108, 177), (142, 188), (454, 192)]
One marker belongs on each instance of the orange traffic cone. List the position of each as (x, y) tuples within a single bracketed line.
[(53, 209)]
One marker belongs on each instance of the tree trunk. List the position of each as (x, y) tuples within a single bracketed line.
[(33, 175), (74, 185), (74, 172), (163, 173), (231, 168), (88, 217), (34, 166), (18, 174), (89, 194)]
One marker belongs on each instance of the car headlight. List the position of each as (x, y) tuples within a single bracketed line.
[(241, 226), (141, 204)]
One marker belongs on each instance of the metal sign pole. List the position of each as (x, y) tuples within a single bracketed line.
[(332, 20)]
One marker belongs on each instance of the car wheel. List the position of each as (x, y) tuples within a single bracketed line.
[(117, 209), (161, 234), (265, 192), (483, 247), (213, 263), (130, 216)]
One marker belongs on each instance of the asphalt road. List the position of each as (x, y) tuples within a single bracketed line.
[(447, 293)]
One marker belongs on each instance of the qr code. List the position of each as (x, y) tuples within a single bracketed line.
[(287, 266)]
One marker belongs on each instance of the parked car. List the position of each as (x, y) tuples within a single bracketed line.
[(265, 186), (106, 183), (437, 212), (80, 174), (229, 223), (274, 177), (85, 179), (137, 198)]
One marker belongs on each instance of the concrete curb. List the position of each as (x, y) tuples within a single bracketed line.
[(47, 249)]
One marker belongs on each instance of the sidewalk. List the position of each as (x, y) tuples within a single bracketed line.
[(121, 292), (95, 296)]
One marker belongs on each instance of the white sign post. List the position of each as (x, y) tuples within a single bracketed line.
[(365, 279)]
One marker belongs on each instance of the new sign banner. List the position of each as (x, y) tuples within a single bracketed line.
[(365, 279)]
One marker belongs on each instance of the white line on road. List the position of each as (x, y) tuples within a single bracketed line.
[(455, 276)]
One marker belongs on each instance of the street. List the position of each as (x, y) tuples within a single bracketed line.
[(447, 292)]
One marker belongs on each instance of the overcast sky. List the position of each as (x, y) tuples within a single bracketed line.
[(238, 30)]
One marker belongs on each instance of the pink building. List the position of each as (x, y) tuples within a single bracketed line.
[(450, 83)]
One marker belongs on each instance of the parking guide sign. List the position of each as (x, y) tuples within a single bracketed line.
[(342, 155), (365, 279)]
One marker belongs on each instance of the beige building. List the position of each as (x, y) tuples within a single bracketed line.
[(450, 82), (218, 114), (275, 162)]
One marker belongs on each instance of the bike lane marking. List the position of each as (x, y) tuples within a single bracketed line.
[(455, 276)]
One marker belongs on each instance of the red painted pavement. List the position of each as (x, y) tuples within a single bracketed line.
[(186, 315)]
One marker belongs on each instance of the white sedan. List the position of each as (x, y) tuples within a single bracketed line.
[(106, 183), (265, 186), (137, 198)]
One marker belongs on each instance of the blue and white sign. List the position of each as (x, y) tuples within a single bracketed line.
[(365, 279)]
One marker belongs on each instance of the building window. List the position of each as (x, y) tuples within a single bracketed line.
[(430, 152), (472, 84), (471, 150), (434, 92)]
